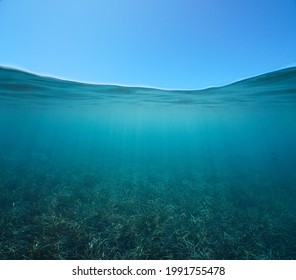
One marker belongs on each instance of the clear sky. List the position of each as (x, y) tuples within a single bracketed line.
[(160, 43)]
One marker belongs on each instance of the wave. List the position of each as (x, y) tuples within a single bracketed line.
[(21, 88)]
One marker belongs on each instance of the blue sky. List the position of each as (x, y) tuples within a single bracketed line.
[(159, 43)]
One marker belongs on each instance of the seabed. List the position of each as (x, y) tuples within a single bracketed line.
[(71, 213)]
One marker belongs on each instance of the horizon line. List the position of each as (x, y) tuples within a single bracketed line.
[(49, 76)]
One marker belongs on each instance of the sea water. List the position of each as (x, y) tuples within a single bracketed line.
[(110, 172)]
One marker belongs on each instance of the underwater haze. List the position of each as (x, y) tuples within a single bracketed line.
[(111, 172)]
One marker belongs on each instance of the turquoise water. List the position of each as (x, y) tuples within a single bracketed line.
[(110, 172)]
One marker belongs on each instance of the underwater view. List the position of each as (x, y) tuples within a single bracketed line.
[(111, 172)]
